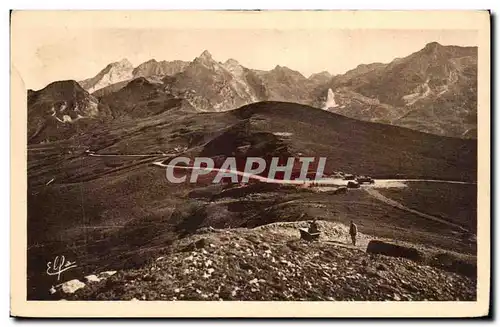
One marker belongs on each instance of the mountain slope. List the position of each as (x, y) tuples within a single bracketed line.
[(60, 110), (161, 68), (112, 73), (85, 206), (212, 86), (271, 263), (285, 84), (140, 98), (433, 90), (358, 146)]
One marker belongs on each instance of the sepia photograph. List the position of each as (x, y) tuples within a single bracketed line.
[(286, 157)]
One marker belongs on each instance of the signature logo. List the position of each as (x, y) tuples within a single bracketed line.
[(58, 266)]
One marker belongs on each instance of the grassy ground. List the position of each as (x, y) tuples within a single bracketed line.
[(452, 202)]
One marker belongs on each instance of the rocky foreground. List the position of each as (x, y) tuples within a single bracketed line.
[(271, 263)]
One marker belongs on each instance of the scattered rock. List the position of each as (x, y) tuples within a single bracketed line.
[(225, 294), (253, 281), (148, 278), (72, 286), (246, 266), (106, 274), (92, 278), (382, 267), (281, 268)]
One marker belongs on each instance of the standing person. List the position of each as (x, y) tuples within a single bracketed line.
[(353, 231)]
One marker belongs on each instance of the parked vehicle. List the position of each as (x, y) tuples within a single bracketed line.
[(365, 179), (349, 177), (353, 184)]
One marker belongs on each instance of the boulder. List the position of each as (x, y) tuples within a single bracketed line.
[(72, 286), (393, 250), (201, 243), (306, 235), (106, 274), (92, 278)]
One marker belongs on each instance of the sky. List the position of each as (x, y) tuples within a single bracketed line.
[(65, 52)]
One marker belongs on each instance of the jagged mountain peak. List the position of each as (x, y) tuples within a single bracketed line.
[(321, 74), (285, 71), (369, 66), (231, 62), (283, 68), (150, 61), (206, 59), (205, 55), (433, 46), (125, 62), (153, 67), (113, 73)]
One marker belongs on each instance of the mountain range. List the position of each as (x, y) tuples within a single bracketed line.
[(433, 90), (97, 192)]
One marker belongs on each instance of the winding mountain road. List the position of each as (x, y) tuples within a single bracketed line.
[(370, 190), (333, 182)]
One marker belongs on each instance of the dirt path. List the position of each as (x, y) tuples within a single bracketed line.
[(379, 196), (128, 155), (422, 180)]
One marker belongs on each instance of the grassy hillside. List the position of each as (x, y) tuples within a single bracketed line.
[(363, 147), (453, 202)]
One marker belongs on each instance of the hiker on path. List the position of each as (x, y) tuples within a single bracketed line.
[(353, 231)]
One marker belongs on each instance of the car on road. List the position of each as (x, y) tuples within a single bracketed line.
[(364, 179), (352, 184), (349, 177)]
